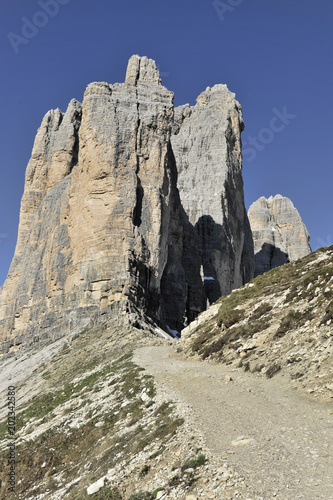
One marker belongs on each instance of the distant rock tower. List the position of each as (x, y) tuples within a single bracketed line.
[(279, 234)]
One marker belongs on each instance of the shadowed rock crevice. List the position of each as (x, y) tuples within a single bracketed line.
[(269, 257), (137, 213)]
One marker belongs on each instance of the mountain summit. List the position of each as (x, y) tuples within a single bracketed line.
[(131, 209)]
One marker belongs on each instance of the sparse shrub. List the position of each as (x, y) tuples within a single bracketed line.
[(144, 471), (143, 495), (297, 376), (250, 328), (273, 370), (246, 366), (107, 493), (157, 491), (294, 319), (212, 348), (193, 463), (258, 367), (157, 453), (201, 338), (227, 315), (80, 334)]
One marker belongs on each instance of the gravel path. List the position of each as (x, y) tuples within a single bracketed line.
[(279, 441)]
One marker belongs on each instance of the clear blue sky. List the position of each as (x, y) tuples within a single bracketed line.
[(274, 54)]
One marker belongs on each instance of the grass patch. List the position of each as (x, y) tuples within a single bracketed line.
[(143, 495), (294, 319), (3, 429), (120, 437), (193, 463), (230, 336), (228, 315), (107, 493)]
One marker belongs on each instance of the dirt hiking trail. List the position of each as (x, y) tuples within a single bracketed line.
[(280, 441)]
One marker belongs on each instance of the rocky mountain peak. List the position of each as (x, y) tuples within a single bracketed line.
[(142, 69), (279, 233), (131, 209)]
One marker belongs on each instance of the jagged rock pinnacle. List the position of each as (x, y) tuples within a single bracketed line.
[(142, 69)]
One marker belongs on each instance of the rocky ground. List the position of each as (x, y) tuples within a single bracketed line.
[(241, 407), (280, 322), (267, 439), (92, 423)]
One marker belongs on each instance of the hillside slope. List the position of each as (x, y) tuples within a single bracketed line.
[(208, 421), (281, 321)]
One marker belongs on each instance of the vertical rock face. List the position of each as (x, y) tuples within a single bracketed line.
[(32, 298), (279, 233), (207, 147), (103, 231), (125, 225)]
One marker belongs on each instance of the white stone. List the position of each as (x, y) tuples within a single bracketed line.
[(145, 397), (243, 441), (95, 487)]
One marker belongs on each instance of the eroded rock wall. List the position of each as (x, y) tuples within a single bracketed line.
[(103, 229), (208, 151), (279, 233)]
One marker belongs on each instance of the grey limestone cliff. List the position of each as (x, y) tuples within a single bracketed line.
[(208, 152), (279, 233), (105, 231)]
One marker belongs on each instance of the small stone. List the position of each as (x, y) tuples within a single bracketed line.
[(243, 441), (145, 398), (227, 378), (95, 487)]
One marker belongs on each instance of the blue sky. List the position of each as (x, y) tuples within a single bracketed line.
[(276, 55)]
